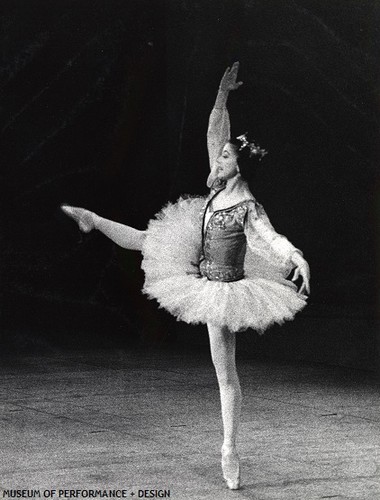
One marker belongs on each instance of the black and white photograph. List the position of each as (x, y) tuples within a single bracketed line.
[(190, 249)]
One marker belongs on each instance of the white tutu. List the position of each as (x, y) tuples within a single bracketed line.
[(170, 261)]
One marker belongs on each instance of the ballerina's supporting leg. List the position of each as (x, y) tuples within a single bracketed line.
[(124, 236), (223, 347)]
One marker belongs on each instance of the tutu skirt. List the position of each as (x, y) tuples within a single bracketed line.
[(171, 253)]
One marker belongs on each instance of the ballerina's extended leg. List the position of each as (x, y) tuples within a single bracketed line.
[(223, 343), (124, 236)]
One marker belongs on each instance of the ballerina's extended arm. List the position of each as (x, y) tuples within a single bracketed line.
[(258, 225), (218, 132), (124, 236)]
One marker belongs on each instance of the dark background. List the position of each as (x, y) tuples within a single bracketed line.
[(105, 104)]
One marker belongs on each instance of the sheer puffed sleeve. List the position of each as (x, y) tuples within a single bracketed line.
[(218, 132), (263, 239)]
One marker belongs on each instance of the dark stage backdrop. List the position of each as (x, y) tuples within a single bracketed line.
[(105, 105)]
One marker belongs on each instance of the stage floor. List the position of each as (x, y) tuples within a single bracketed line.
[(150, 420)]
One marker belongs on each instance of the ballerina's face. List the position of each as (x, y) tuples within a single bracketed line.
[(227, 163)]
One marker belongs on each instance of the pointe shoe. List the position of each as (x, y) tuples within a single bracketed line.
[(231, 468), (84, 218)]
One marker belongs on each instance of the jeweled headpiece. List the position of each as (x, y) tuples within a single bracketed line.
[(254, 149)]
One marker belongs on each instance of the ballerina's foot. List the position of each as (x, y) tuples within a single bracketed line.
[(231, 468), (84, 218)]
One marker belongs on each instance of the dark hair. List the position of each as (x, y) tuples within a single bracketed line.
[(248, 165)]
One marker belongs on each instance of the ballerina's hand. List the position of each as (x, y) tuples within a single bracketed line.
[(84, 218), (228, 81), (302, 269)]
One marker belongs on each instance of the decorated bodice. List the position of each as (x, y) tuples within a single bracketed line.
[(223, 241)]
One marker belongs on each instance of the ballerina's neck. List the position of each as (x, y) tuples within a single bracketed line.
[(235, 191), (236, 187)]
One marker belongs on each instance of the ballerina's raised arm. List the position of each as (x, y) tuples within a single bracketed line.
[(218, 132)]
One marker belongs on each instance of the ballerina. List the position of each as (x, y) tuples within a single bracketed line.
[(218, 261)]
